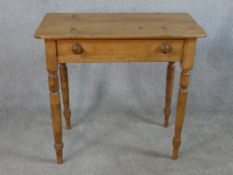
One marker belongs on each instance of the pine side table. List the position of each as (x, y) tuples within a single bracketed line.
[(118, 37)]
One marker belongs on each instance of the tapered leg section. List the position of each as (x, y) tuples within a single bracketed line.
[(180, 111), (53, 81), (169, 91), (65, 93), (186, 66)]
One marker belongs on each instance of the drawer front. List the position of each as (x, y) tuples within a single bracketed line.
[(73, 51)]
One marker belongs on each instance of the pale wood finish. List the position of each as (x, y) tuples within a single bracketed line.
[(169, 91), (186, 66), (65, 93), (119, 51), (53, 81), (125, 37), (118, 26)]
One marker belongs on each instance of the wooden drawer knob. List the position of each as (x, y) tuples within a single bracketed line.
[(77, 49), (166, 48)]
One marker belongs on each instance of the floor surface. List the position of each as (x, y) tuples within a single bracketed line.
[(120, 140)]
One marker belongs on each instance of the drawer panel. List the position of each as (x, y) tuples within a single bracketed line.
[(73, 51)]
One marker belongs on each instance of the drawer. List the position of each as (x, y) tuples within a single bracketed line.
[(73, 51)]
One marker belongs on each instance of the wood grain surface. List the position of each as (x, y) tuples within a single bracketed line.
[(118, 26)]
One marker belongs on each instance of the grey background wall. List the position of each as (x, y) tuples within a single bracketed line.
[(23, 80), (114, 93)]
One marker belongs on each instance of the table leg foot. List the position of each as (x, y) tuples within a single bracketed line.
[(176, 145), (166, 118), (65, 93), (59, 153), (67, 115)]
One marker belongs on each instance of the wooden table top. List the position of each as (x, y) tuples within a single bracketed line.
[(118, 26)]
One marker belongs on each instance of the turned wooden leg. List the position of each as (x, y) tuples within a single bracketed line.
[(169, 90), (186, 66), (180, 111), (53, 81), (65, 93)]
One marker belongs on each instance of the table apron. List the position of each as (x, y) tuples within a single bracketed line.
[(119, 51)]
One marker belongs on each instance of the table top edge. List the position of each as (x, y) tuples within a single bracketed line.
[(39, 35)]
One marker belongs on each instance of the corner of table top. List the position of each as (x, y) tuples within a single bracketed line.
[(37, 34)]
